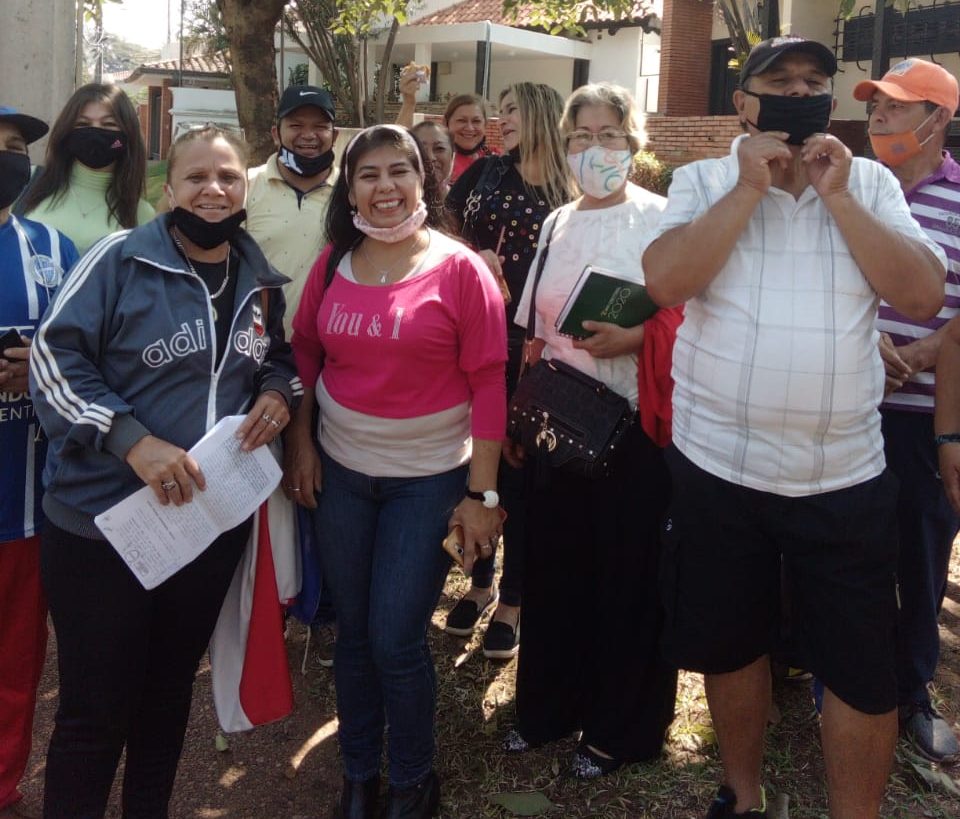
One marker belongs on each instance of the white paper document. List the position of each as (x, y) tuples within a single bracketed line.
[(156, 541)]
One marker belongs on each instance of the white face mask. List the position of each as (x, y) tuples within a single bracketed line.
[(599, 171)]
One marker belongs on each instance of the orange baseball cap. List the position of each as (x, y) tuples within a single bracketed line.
[(914, 80)]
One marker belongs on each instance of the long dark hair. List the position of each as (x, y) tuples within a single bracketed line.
[(129, 171), (341, 231)]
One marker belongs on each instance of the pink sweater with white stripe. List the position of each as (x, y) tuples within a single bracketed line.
[(425, 344)]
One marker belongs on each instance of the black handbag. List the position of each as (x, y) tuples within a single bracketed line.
[(561, 416), (491, 175)]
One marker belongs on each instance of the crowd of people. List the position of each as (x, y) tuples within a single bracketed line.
[(784, 480)]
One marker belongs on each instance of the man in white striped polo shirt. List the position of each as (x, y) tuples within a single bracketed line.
[(910, 112), (780, 252)]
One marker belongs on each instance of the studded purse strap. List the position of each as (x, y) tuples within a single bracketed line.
[(532, 312)]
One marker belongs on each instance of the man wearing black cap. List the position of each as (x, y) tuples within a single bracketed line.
[(781, 251), (288, 195), (33, 257)]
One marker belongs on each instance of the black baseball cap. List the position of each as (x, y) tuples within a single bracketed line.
[(764, 54), (296, 96), (31, 127)]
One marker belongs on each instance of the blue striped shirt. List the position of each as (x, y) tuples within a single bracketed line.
[(935, 204), (23, 303)]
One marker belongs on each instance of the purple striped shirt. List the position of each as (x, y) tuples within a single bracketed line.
[(935, 204)]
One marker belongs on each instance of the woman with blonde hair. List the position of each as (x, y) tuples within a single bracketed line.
[(603, 673), (499, 204)]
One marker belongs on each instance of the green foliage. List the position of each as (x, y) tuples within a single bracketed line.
[(650, 173), (93, 9), (298, 74), (563, 16), (364, 17), (204, 27)]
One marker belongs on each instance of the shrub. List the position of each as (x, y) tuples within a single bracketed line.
[(650, 173)]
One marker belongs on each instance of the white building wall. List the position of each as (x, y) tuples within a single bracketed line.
[(37, 58), (629, 58), (557, 73)]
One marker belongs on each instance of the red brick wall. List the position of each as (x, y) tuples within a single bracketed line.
[(678, 140), (685, 58), (166, 121)]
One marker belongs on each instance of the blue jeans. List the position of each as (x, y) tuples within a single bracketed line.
[(380, 550)]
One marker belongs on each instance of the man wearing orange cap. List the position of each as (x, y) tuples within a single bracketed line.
[(910, 112)]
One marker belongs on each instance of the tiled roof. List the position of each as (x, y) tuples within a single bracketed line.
[(477, 11), (218, 63)]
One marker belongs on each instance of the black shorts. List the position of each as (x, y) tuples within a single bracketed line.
[(721, 580)]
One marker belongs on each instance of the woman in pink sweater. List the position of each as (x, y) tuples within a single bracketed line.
[(400, 341)]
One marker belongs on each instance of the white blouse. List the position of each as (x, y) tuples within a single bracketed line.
[(612, 238)]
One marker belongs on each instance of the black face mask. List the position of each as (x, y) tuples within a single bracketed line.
[(306, 166), (203, 233), (95, 147), (14, 175), (800, 117)]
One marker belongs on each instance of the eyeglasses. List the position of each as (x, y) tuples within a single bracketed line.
[(607, 138)]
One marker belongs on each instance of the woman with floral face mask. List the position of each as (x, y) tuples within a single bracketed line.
[(93, 181), (603, 674)]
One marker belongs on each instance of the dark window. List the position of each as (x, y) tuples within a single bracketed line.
[(723, 79), (922, 31)]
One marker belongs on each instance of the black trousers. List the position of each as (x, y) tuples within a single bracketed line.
[(592, 617), (510, 483), (127, 660)]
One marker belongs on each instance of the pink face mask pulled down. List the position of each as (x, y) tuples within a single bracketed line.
[(397, 233)]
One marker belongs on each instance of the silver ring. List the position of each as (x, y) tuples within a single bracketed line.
[(275, 423), (266, 417), (166, 486), (292, 489)]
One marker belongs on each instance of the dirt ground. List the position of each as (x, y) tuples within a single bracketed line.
[(290, 770)]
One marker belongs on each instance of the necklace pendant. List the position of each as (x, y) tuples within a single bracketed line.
[(383, 278)]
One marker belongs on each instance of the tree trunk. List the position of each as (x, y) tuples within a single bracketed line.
[(250, 26), (385, 73)]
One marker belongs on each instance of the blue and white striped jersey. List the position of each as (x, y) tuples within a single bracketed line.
[(23, 300)]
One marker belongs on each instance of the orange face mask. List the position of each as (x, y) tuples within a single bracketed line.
[(895, 149)]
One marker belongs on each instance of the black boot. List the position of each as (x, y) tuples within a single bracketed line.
[(359, 800), (418, 802)]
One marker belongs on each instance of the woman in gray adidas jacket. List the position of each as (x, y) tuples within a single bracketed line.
[(158, 333)]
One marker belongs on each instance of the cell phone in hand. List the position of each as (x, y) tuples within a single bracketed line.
[(11, 338), (453, 542)]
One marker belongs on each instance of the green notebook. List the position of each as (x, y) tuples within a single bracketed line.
[(604, 295)]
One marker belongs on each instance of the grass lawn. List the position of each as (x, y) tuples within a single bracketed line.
[(156, 176)]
